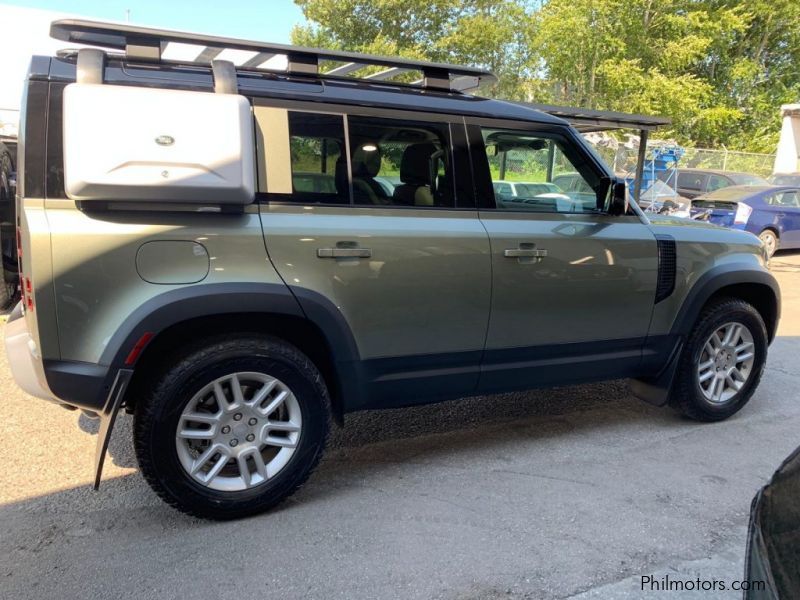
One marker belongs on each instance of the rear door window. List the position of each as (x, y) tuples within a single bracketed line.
[(396, 162), (787, 199)]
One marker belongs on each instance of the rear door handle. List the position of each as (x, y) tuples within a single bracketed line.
[(524, 253), (344, 253)]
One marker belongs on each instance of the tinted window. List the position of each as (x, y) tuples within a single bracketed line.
[(785, 180), (788, 199), (716, 182), (410, 158), (747, 179), (548, 174), (319, 167), (692, 181)]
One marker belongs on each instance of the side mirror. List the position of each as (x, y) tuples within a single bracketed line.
[(612, 196)]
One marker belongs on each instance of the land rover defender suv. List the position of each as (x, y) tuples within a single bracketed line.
[(240, 243)]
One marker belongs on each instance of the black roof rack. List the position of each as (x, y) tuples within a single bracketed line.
[(143, 43), (586, 120)]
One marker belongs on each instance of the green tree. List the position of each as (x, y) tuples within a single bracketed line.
[(719, 68)]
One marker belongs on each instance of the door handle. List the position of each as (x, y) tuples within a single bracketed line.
[(344, 253), (524, 253), (527, 252)]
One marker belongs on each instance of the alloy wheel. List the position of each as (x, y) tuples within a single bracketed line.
[(238, 431), (726, 362)]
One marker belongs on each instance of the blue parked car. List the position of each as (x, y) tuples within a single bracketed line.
[(771, 212)]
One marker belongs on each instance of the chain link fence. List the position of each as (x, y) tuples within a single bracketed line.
[(621, 156), (726, 160)]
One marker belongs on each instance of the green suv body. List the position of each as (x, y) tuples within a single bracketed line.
[(370, 266)]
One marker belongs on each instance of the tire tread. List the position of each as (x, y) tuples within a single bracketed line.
[(684, 396), (184, 363)]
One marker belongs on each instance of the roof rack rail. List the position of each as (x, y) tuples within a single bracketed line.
[(143, 43)]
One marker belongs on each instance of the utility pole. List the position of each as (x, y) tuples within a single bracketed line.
[(127, 15)]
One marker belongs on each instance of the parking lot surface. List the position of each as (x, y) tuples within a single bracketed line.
[(573, 492)]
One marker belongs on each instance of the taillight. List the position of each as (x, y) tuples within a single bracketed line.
[(25, 285), (27, 292), (743, 212)]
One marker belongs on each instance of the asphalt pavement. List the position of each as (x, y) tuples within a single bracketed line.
[(573, 492)]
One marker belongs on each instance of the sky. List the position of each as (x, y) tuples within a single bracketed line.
[(24, 29), (267, 20)]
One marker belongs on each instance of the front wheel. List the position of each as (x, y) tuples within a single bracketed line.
[(770, 241), (722, 361), (233, 427)]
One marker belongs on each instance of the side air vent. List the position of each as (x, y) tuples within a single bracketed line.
[(667, 258)]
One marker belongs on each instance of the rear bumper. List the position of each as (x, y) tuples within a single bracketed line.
[(24, 358), (78, 384)]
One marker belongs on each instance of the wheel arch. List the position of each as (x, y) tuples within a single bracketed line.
[(772, 228), (170, 320), (757, 287)]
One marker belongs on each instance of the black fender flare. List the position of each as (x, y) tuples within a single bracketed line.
[(655, 390), (183, 304), (718, 278), (190, 302)]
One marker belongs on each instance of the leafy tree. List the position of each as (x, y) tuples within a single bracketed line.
[(719, 68)]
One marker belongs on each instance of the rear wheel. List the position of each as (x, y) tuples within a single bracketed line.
[(770, 240), (233, 427), (722, 361)]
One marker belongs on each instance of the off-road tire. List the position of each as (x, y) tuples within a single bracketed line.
[(686, 396), (158, 410)]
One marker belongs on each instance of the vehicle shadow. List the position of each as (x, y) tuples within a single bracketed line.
[(453, 417), (374, 441)]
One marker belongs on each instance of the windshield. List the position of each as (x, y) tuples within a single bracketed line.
[(747, 179), (785, 179)]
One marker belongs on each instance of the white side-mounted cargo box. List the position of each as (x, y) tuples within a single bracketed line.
[(146, 144)]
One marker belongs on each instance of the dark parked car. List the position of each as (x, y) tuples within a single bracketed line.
[(770, 212), (9, 274), (773, 545), (696, 182)]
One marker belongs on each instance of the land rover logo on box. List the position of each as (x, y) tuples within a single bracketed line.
[(165, 140)]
